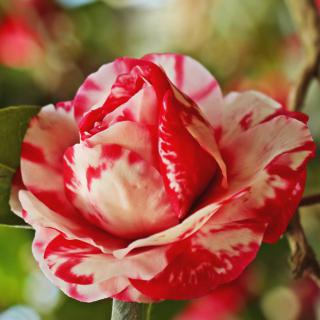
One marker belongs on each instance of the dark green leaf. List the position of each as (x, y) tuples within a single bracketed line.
[(13, 125)]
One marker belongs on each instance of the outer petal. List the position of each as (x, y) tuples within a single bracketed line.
[(75, 267), (213, 256), (38, 215), (88, 292), (194, 80), (119, 190), (47, 138), (269, 154), (49, 134)]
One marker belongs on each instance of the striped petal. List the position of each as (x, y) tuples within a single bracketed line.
[(187, 168), (215, 255), (37, 214), (75, 267), (193, 79), (185, 229), (97, 87), (142, 108), (268, 154), (86, 292), (49, 134), (120, 191)]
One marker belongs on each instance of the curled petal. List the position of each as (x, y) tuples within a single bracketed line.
[(187, 168), (97, 87), (141, 108), (246, 110), (193, 79)]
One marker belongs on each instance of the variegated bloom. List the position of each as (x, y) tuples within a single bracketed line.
[(151, 185)]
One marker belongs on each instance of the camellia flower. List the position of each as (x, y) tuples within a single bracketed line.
[(151, 185)]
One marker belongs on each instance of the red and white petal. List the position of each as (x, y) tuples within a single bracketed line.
[(194, 80), (49, 134), (97, 87), (120, 191), (129, 135), (201, 131), (249, 154), (187, 168), (270, 159), (245, 110), (75, 267), (82, 292), (185, 229), (141, 108), (37, 214), (215, 255), (132, 294), (77, 262)]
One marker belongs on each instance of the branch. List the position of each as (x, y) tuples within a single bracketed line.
[(307, 20), (310, 200), (303, 260)]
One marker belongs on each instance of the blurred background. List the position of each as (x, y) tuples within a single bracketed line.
[(48, 47)]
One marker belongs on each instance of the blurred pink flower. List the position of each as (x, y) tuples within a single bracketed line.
[(20, 45), (224, 302)]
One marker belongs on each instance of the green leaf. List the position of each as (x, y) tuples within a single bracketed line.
[(13, 124)]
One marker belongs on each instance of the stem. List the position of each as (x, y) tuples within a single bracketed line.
[(303, 260), (306, 18), (307, 21), (130, 310), (310, 200)]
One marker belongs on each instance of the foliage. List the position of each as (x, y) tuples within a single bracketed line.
[(13, 124)]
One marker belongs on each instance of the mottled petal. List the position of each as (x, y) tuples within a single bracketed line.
[(75, 267), (193, 79), (119, 190), (187, 168), (49, 134), (130, 135), (38, 215), (141, 108), (82, 292), (272, 165), (185, 229), (246, 110), (215, 255), (97, 87)]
